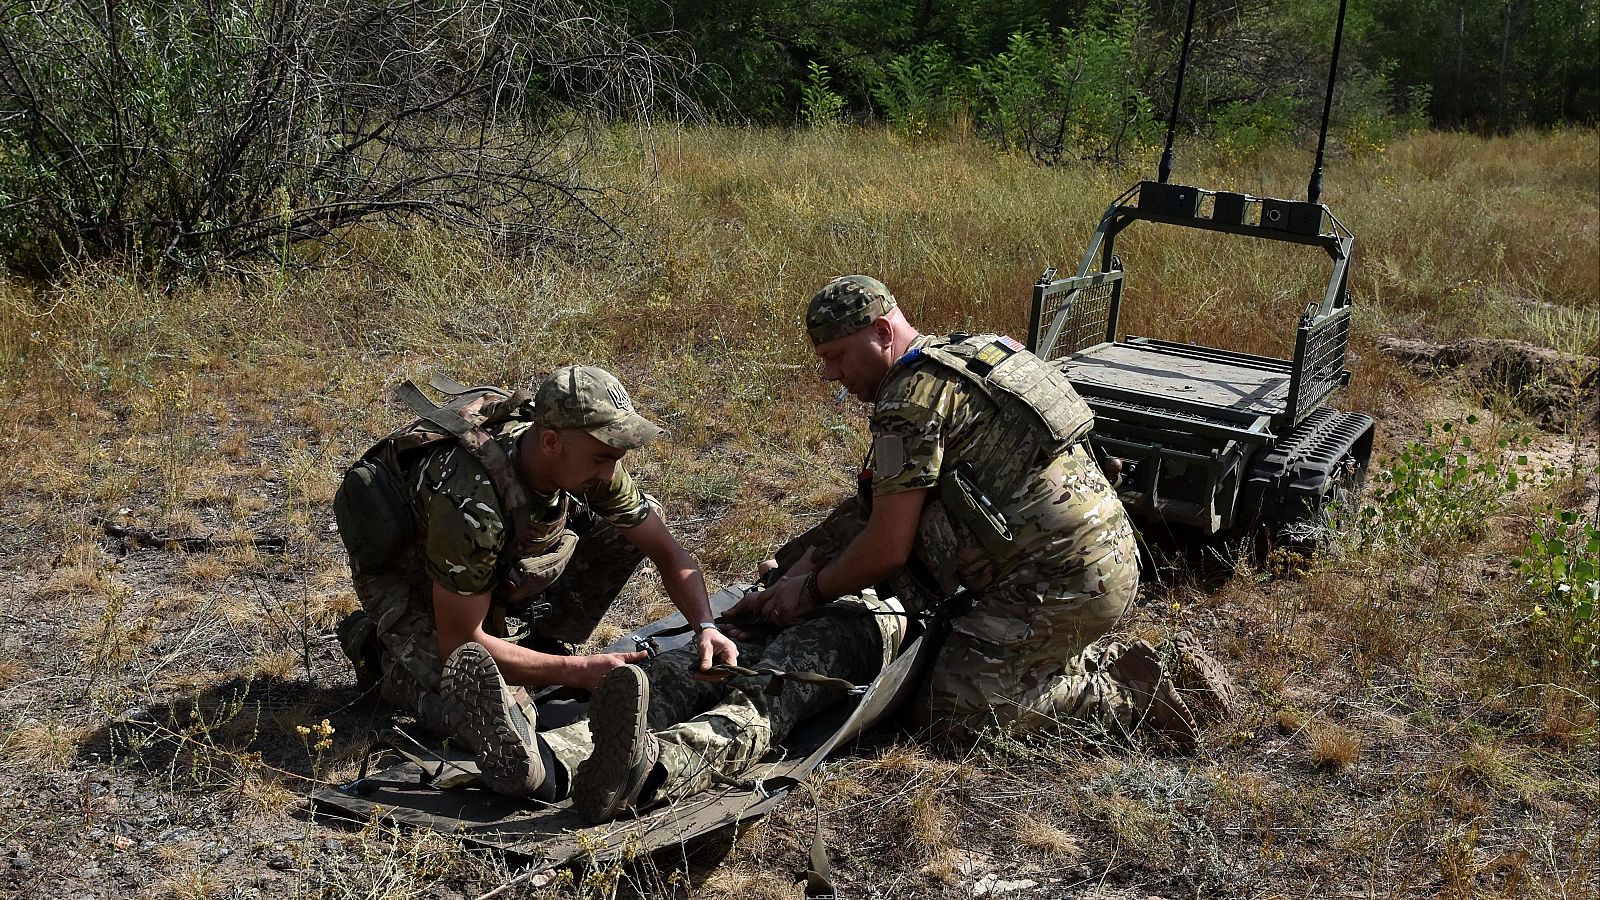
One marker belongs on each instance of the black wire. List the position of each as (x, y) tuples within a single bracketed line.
[(1314, 188), (1177, 93)]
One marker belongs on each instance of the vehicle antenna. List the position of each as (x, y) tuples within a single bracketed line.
[(1314, 189), (1177, 93)]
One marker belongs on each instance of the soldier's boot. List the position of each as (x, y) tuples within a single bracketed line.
[(494, 723), (1201, 679), (1162, 710), (358, 638), (613, 778)]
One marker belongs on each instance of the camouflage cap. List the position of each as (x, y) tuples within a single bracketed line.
[(846, 305), (592, 399)]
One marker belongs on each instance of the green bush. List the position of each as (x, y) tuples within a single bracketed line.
[(1068, 95), (819, 105), (1245, 127), (1433, 495), (1561, 565), (916, 91)]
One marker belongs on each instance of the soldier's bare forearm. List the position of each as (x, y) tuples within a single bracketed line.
[(688, 592), (880, 550), (530, 668)]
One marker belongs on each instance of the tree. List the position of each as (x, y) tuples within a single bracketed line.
[(177, 133)]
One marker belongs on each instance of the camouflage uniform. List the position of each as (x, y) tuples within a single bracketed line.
[(569, 568), (1030, 529), (702, 728), (462, 547)]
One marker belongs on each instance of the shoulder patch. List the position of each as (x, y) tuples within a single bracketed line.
[(994, 354), (888, 455)]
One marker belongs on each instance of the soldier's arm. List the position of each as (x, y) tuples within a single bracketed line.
[(684, 583), (459, 618), (879, 551)]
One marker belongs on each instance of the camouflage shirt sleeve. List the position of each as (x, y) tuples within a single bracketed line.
[(466, 530), (908, 434), (621, 502)]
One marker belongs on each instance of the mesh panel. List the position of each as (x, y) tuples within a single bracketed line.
[(1323, 363), (1087, 312)]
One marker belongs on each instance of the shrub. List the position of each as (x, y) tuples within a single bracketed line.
[(1433, 495), (1066, 95), (1561, 565), (819, 105), (916, 90), (179, 133)]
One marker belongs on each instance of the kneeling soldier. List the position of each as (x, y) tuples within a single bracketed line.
[(981, 492), (505, 505)]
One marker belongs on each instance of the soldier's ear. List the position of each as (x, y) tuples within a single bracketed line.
[(549, 440), (883, 330)]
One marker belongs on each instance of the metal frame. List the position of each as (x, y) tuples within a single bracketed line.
[(1156, 432), (1313, 375)]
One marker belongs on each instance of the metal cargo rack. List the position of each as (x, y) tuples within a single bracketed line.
[(1184, 418)]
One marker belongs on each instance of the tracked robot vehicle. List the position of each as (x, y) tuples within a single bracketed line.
[(1213, 440)]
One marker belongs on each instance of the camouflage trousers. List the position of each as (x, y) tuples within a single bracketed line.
[(396, 643), (701, 728), (1029, 653)]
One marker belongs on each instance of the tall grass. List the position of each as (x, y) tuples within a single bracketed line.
[(1456, 235)]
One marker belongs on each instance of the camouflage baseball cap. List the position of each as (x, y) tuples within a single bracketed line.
[(592, 399), (846, 305)]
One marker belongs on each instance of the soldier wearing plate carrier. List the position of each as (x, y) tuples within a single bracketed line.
[(982, 502), (981, 506), (499, 504)]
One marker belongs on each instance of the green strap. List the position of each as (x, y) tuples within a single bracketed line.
[(484, 448), (779, 676)]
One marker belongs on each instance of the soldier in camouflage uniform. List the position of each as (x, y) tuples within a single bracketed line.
[(980, 487), (553, 533), (657, 733)]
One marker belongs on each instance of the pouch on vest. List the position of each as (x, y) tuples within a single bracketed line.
[(966, 503), (374, 521), (530, 576)]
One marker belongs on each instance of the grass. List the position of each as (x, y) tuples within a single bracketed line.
[(1399, 700)]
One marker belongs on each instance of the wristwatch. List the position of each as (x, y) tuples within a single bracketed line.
[(704, 625)]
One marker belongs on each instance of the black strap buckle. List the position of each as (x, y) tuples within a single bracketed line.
[(648, 645)]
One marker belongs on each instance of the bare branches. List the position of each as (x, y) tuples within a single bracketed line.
[(177, 134)]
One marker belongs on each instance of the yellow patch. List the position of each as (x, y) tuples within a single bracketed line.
[(994, 354)]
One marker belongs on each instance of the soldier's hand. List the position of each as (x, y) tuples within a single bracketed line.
[(782, 604), (750, 608), (588, 670), (715, 647), (788, 604)]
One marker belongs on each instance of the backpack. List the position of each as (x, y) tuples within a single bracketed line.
[(371, 507)]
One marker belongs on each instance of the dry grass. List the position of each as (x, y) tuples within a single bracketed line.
[(1049, 839), (1333, 746)]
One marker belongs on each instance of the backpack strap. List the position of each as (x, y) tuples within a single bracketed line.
[(483, 447)]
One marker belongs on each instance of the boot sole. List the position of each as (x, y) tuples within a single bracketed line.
[(487, 705), (609, 781)]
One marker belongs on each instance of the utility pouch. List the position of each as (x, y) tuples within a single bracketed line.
[(966, 503), (373, 519), (532, 575)]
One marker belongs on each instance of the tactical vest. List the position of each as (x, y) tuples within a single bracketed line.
[(376, 519), (1035, 407)]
